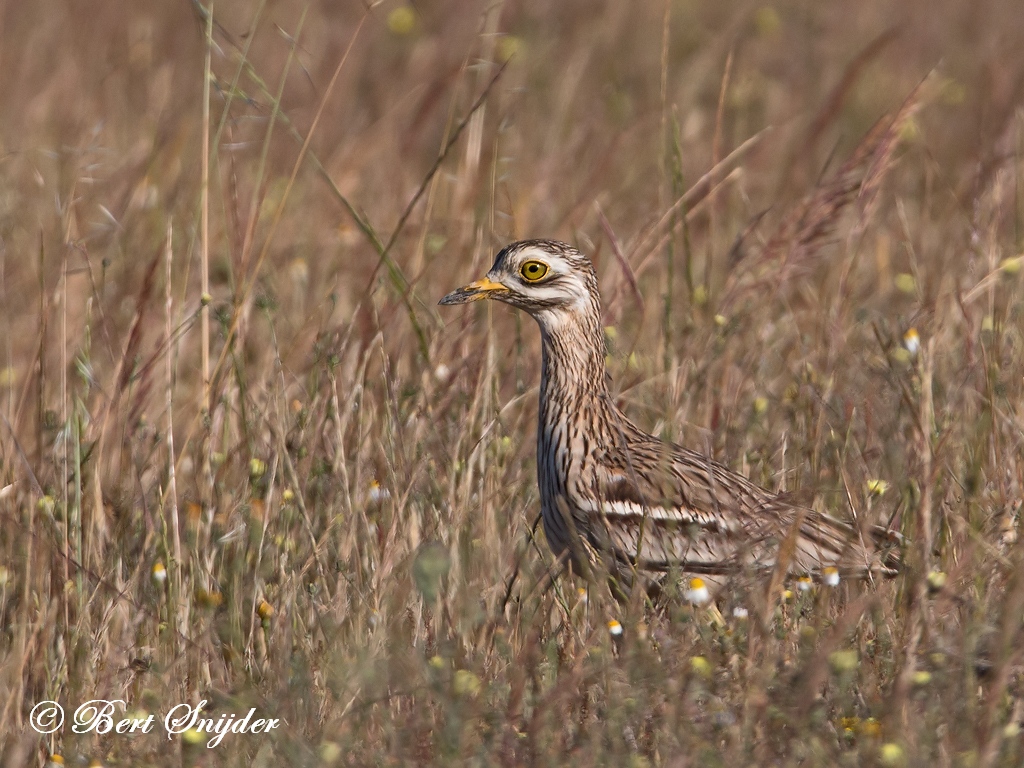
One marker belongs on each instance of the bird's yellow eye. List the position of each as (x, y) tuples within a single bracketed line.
[(532, 271)]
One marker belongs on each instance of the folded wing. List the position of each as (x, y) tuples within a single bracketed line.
[(661, 507)]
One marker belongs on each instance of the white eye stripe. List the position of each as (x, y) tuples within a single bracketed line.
[(546, 292)]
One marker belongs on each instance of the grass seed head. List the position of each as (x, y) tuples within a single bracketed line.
[(892, 754), (844, 662), (701, 666)]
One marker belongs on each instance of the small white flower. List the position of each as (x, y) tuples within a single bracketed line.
[(912, 341), (804, 583), (614, 628), (159, 572), (378, 493), (442, 372), (830, 576), (697, 593), (739, 612)]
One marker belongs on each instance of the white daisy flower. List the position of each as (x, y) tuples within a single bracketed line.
[(697, 593)]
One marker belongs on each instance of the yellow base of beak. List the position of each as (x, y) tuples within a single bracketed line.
[(481, 289)]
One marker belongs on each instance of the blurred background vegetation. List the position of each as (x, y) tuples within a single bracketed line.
[(806, 218)]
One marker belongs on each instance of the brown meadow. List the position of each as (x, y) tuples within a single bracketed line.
[(222, 239)]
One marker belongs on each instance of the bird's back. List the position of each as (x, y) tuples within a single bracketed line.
[(660, 508)]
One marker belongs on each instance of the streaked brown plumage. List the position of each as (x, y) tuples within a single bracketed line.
[(612, 492)]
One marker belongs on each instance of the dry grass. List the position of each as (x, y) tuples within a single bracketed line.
[(350, 485)]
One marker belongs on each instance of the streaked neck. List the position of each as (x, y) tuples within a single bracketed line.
[(573, 358)]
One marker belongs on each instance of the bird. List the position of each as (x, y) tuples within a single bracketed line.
[(615, 497)]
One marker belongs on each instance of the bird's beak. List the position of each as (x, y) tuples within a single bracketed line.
[(481, 289)]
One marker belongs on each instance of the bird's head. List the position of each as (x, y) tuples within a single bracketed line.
[(551, 280)]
